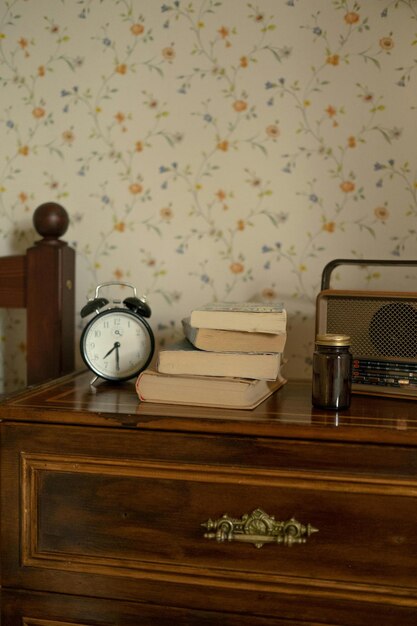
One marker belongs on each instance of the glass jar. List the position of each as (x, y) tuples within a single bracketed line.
[(332, 372)]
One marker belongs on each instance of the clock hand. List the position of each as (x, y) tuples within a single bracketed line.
[(115, 347)]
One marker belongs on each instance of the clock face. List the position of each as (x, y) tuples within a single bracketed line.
[(117, 344)]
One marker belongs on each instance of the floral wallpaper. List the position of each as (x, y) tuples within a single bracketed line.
[(210, 149)]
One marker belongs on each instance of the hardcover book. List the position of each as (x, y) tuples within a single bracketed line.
[(208, 391), (183, 358), (216, 340), (247, 316)]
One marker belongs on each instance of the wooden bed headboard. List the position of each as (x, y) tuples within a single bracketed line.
[(43, 282)]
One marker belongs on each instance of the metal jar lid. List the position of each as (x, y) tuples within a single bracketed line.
[(329, 339)]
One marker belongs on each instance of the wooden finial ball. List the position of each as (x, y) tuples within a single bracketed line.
[(51, 220)]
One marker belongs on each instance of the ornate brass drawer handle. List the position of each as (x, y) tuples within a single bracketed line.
[(258, 528)]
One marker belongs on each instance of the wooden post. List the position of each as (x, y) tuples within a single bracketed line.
[(50, 297)]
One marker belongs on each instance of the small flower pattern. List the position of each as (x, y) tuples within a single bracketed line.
[(210, 150)]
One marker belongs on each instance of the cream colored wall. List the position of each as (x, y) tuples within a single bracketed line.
[(210, 149)]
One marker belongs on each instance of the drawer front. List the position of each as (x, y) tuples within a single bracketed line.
[(134, 518), (139, 529)]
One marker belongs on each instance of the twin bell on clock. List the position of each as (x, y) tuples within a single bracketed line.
[(117, 343)]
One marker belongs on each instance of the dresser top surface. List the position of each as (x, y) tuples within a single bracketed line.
[(287, 413)]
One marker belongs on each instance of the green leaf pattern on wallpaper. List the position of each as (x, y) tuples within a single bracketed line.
[(209, 149)]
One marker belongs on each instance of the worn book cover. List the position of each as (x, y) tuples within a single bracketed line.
[(209, 391), (216, 340), (244, 316), (183, 358)]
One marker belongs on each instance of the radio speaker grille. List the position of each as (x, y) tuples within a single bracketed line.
[(379, 327)]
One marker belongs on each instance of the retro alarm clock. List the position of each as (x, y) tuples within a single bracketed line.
[(117, 343)]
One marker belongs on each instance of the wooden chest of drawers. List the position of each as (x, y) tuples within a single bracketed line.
[(116, 512)]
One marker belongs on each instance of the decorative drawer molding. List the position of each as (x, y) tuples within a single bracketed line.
[(156, 510), (321, 481)]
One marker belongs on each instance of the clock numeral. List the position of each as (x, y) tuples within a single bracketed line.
[(92, 344), (97, 333)]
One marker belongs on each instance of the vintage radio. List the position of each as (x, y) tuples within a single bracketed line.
[(382, 326)]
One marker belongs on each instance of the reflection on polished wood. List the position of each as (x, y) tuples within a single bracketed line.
[(73, 400)]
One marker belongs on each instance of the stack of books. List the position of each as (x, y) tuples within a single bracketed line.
[(231, 356)]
